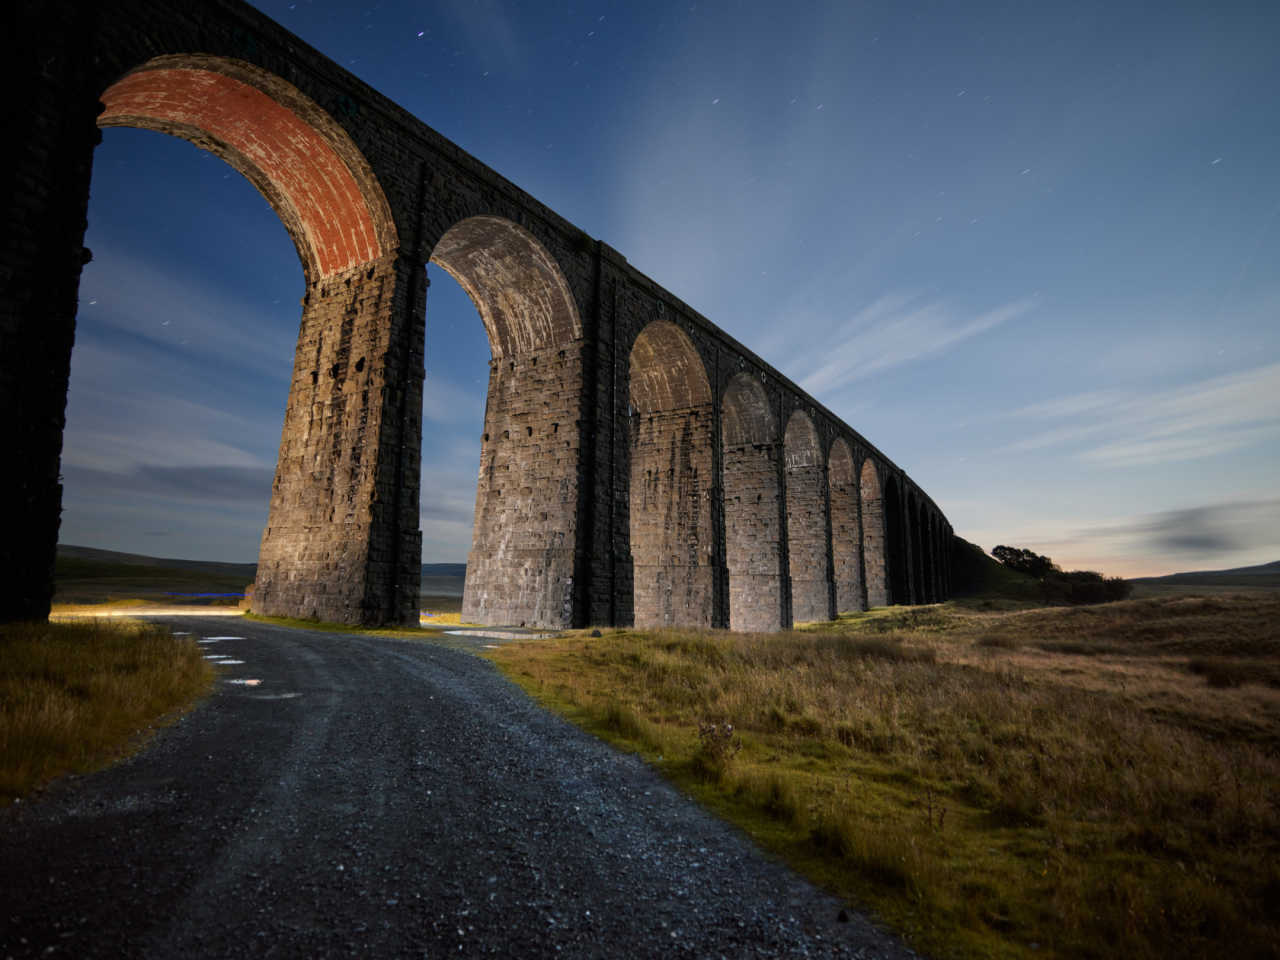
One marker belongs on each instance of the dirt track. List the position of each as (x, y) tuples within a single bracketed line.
[(385, 798)]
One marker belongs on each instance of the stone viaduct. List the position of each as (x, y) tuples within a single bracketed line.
[(638, 465)]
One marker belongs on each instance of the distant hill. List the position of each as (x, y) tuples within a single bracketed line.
[(444, 569), (91, 561), (1263, 575)]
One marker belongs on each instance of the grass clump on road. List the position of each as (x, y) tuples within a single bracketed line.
[(76, 696), (1043, 782)]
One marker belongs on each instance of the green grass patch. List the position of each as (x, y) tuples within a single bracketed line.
[(76, 696), (987, 793)]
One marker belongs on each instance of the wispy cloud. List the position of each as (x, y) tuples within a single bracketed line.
[(1210, 529), (444, 401), (185, 314), (207, 483), (1125, 429), (117, 430), (1208, 536), (896, 330)]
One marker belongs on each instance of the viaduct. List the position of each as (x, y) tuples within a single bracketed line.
[(638, 464)]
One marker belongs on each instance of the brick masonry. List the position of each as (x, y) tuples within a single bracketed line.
[(638, 464)]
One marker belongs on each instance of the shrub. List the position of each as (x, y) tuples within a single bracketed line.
[(1083, 586), (1219, 672), (718, 744)]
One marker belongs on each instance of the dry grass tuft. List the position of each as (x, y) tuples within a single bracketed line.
[(987, 780), (75, 696)]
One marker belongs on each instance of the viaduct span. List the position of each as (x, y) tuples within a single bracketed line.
[(638, 464)]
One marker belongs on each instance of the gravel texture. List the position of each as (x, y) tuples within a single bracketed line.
[(386, 798)]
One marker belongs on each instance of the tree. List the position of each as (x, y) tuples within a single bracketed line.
[(1025, 561), (1063, 586)]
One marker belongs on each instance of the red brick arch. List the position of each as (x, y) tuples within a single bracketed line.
[(297, 156)]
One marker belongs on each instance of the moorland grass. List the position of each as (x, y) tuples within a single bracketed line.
[(1047, 782), (76, 696)]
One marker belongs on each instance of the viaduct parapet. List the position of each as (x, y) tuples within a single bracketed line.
[(638, 465)]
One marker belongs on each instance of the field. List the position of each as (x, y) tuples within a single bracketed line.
[(76, 696), (87, 577), (993, 782), (88, 580)]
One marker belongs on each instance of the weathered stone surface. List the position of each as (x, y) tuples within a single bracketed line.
[(752, 508), (807, 533), (638, 465), (873, 537), (846, 545)]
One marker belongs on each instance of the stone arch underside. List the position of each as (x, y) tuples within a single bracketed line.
[(808, 555), (752, 507), (341, 541), (846, 542), (873, 536), (297, 156), (524, 555), (672, 543)]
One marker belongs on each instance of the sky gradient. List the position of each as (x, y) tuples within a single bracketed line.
[(1028, 250)]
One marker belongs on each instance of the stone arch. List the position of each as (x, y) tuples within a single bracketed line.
[(518, 288), (846, 545), (341, 541), (752, 506), (896, 569), (299, 158), (874, 569), (522, 564), (808, 552), (672, 543)]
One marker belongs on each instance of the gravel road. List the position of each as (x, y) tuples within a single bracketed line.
[(385, 798)]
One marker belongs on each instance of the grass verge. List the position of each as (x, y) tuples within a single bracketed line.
[(76, 696), (426, 628), (1048, 782)]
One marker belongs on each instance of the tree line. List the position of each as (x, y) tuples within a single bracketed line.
[(1063, 586)]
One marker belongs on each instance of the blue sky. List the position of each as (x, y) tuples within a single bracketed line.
[(1027, 249)]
